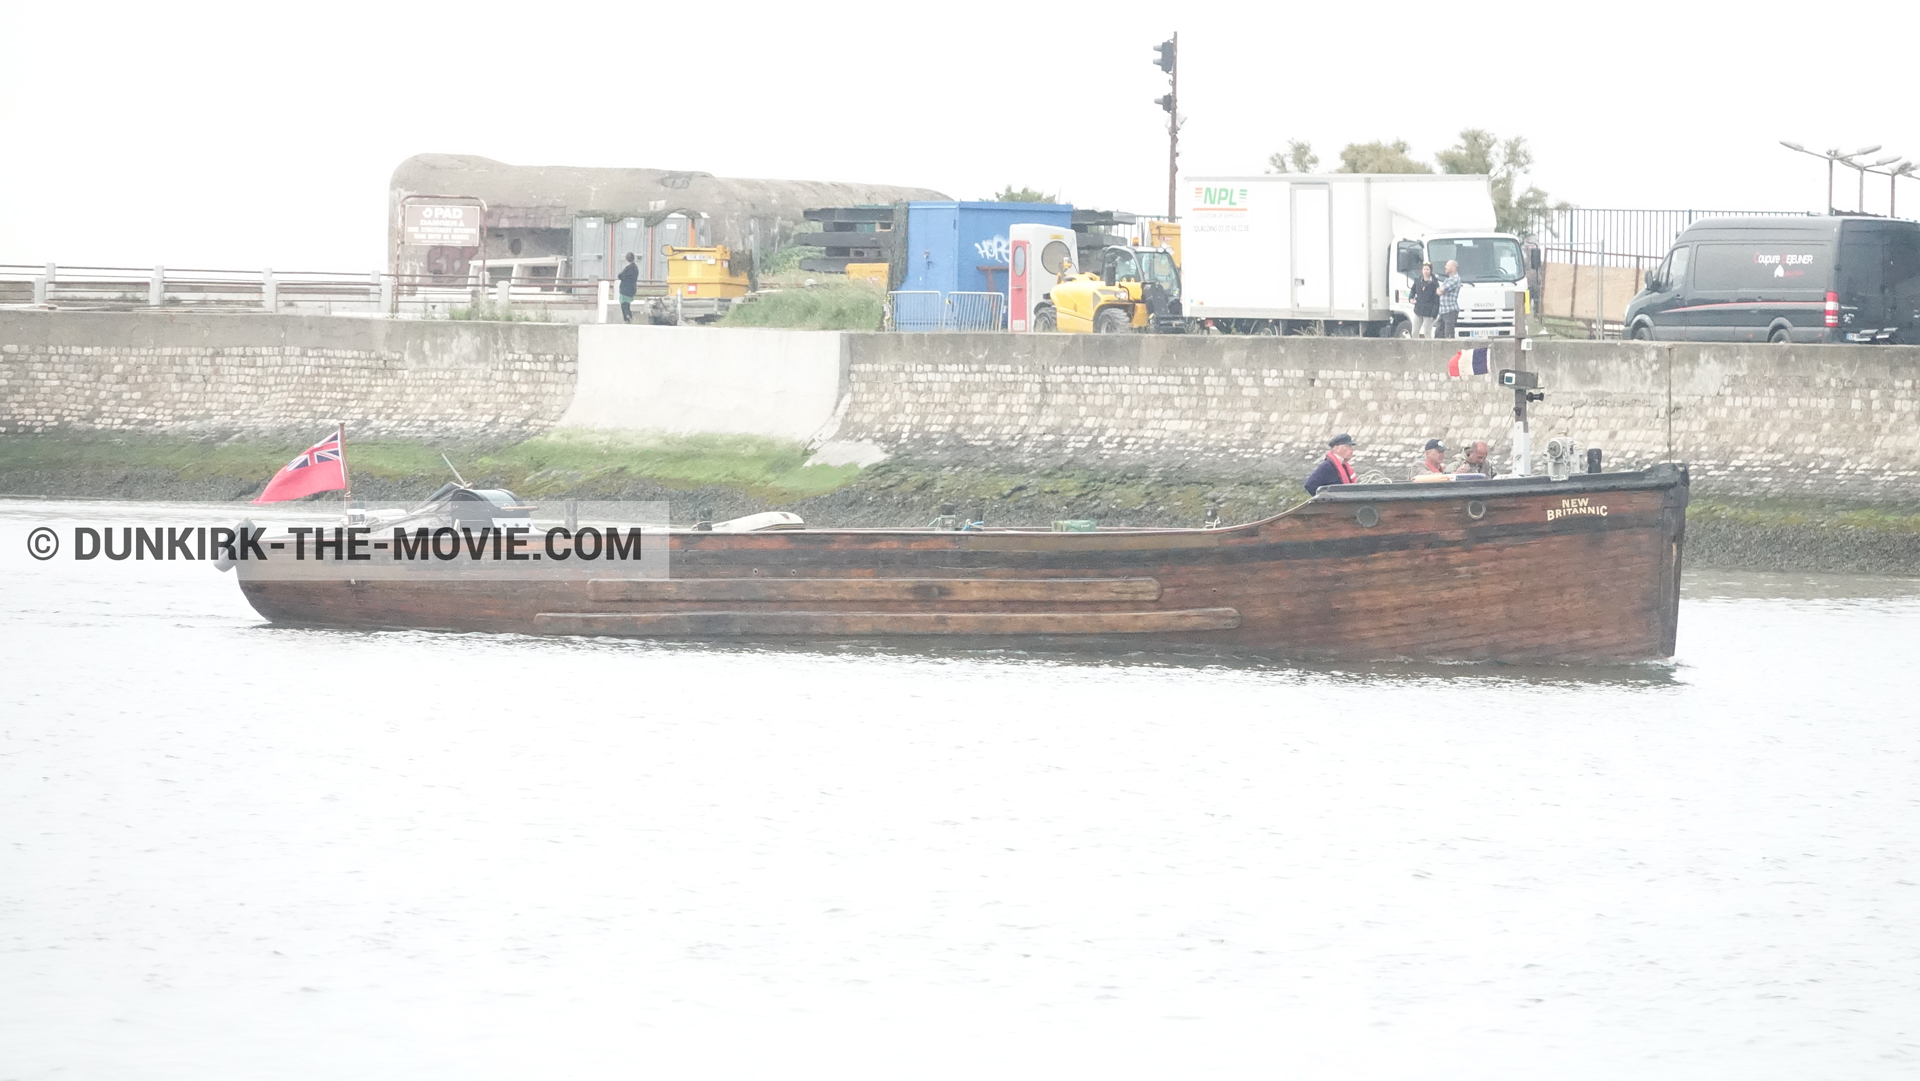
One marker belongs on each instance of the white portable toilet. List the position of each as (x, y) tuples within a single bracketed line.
[(1038, 257)]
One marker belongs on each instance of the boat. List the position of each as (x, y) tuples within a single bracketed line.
[(1581, 569)]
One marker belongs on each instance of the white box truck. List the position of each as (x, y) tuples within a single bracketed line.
[(1278, 254)]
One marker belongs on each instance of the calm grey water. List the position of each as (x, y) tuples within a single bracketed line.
[(234, 851)]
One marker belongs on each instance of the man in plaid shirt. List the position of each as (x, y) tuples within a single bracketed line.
[(1449, 301)]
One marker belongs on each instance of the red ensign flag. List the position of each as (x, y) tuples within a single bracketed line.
[(320, 468)]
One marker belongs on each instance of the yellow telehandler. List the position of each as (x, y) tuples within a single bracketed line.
[(1136, 289)]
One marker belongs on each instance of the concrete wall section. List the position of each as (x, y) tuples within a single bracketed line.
[(1797, 420), (242, 373), (1234, 403), (780, 383)]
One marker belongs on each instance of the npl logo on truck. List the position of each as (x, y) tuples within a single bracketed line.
[(1212, 198)]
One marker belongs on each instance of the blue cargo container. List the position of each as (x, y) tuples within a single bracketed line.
[(961, 247)]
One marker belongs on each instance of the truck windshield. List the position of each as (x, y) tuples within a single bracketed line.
[(1481, 258)]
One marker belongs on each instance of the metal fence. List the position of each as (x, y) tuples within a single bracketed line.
[(1626, 237), (916, 310), (1597, 258), (925, 310), (976, 311), (1588, 287), (1585, 255)]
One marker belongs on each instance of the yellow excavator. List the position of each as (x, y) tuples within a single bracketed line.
[(1136, 289)]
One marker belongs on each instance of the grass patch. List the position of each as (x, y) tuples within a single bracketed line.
[(767, 467), (488, 311), (194, 460), (1785, 513), (840, 305), (189, 458), (1870, 518), (549, 464)]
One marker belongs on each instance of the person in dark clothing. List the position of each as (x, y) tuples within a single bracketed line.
[(629, 285), (1336, 467), (1425, 295)]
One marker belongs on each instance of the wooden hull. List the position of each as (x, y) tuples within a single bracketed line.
[(1526, 569)]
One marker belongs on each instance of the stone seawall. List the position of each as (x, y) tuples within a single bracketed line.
[(1759, 421), (1753, 421), (269, 374)]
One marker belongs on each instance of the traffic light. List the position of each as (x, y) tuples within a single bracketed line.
[(1167, 56), (1165, 101)]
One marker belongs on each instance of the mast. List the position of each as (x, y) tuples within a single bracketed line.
[(346, 478)]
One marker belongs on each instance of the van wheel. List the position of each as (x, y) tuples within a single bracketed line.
[(1111, 321), (1643, 332), (1781, 335)]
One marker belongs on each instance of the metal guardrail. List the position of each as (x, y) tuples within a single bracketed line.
[(98, 288), (95, 288)]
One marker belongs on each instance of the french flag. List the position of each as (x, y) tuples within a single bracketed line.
[(1468, 362)]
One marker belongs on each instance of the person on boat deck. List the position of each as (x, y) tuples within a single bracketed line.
[(1430, 461), (1476, 459), (1336, 467)]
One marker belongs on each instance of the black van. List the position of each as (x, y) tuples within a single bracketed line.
[(1812, 279)]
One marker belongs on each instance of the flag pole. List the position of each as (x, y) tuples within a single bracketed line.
[(346, 495)]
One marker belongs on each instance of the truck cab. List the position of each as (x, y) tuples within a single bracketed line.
[(1493, 280)]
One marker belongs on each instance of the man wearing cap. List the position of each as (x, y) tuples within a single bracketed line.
[(1336, 467), (1429, 463)]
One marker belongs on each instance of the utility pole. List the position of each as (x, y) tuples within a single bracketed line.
[(1169, 62)]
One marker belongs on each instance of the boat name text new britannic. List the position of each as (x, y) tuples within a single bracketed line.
[(1570, 507)]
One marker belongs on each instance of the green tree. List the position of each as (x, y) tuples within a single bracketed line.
[(1298, 157), (1379, 157), (1021, 195), (1474, 156), (1505, 163)]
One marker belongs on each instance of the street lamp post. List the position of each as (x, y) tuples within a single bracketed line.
[(1845, 159), (1893, 173), (1860, 200)]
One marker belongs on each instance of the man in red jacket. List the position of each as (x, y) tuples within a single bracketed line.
[(1336, 467)]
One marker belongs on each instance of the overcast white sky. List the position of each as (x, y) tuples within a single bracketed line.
[(243, 135)]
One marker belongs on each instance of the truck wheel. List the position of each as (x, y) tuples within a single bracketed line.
[(1111, 321), (1044, 321), (1400, 329)]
